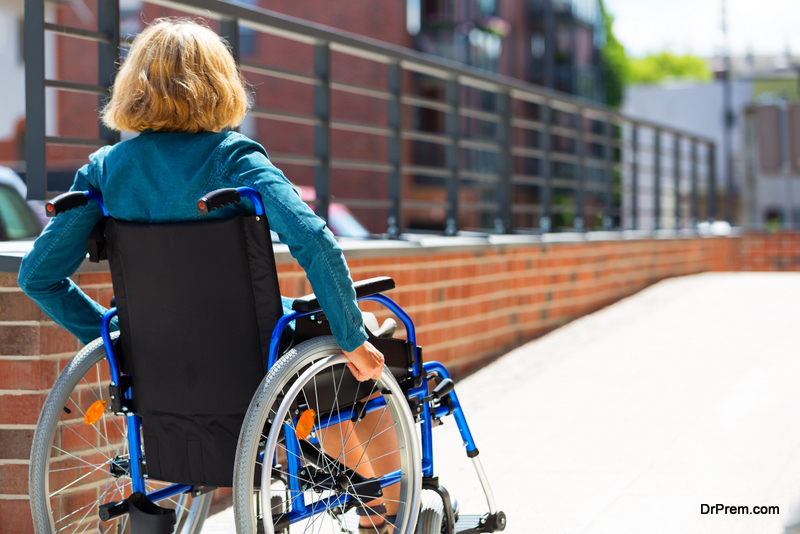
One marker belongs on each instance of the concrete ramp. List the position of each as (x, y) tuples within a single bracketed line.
[(632, 418)]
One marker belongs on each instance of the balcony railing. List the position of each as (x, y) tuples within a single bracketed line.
[(407, 141)]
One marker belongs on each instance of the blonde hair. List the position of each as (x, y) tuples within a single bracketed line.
[(179, 77)]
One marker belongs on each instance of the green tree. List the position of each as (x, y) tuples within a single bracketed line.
[(614, 63), (656, 68)]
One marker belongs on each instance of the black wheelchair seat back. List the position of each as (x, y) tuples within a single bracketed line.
[(197, 303)]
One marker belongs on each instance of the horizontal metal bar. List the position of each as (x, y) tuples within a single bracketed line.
[(359, 90), (428, 103), (294, 159), (357, 51), (478, 206), (479, 82), (528, 96), (564, 132), (528, 124), (361, 165), (78, 33), (294, 118), (361, 128), (422, 68), (527, 152), (597, 138), (424, 204), (303, 31), (75, 141), (528, 179), (371, 203), (478, 145), (526, 208), (479, 114), (414, 135), (477, 175), (282, 74), (74, 87), (436, 172)]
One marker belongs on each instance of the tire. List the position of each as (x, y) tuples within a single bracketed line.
[(70, 470), (313, 376), (431, 516)]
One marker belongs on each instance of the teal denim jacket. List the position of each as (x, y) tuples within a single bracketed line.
[(158, 177)]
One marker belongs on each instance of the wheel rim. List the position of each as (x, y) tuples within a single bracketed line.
[(76, 466), (328, 471)]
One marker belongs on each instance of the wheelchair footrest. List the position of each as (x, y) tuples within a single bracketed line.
[(146, 517), (474, 524)]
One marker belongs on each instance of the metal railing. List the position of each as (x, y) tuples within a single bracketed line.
[(457, 148)]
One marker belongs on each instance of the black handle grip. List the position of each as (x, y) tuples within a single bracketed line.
[(218, 199), (65, 202)]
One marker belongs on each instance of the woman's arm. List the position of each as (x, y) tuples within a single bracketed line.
[(309, 240), (55, 256)]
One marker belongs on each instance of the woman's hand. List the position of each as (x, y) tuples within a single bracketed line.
[(365, 362)]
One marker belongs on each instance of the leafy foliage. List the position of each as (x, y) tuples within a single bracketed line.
[(614, 63), (656, 68)]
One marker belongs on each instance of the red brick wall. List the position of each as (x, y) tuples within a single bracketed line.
[(469, 305), (779, 251)]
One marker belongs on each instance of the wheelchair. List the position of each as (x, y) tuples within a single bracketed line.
[(209, 384)]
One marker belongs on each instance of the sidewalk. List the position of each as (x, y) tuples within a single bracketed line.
[(626, 421)]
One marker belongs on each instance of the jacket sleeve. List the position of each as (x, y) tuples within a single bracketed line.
[(309, 240), (55, 256)]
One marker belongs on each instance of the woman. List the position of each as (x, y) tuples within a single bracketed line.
[(180, 89)]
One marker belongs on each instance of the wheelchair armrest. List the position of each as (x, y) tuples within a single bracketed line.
[(364, 288)]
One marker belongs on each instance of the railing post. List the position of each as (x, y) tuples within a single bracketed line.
[(504, 194), (35, 147), (608, 220), (677, 171), (395, 87), (229, 30), (712, 182), (322, 130), (580, 175), (452, 128), (107, 56), (657, 178), (695, 216), (545, 221), (634, 176)]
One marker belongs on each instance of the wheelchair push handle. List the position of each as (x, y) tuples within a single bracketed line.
[(225, 197), (72, 200)]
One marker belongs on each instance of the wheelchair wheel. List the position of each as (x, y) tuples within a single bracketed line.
[(77, 466), (431, 517), (337, 442)]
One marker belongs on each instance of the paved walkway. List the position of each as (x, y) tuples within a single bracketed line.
[(628, 420)]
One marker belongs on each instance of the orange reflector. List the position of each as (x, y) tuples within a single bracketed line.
[(95, 412), (305, 424)]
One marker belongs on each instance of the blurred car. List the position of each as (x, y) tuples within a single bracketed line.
[(18, 218), (340, 220)]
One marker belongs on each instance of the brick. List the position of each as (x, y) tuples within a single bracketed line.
[(19, 339), (87, 279), (27, 374), (20, 409), (16, 516), (55, 340), (15, 444), (13, 479), (8, 280), (17, 306)]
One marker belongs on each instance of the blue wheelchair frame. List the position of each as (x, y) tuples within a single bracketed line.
[(299, 509)]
